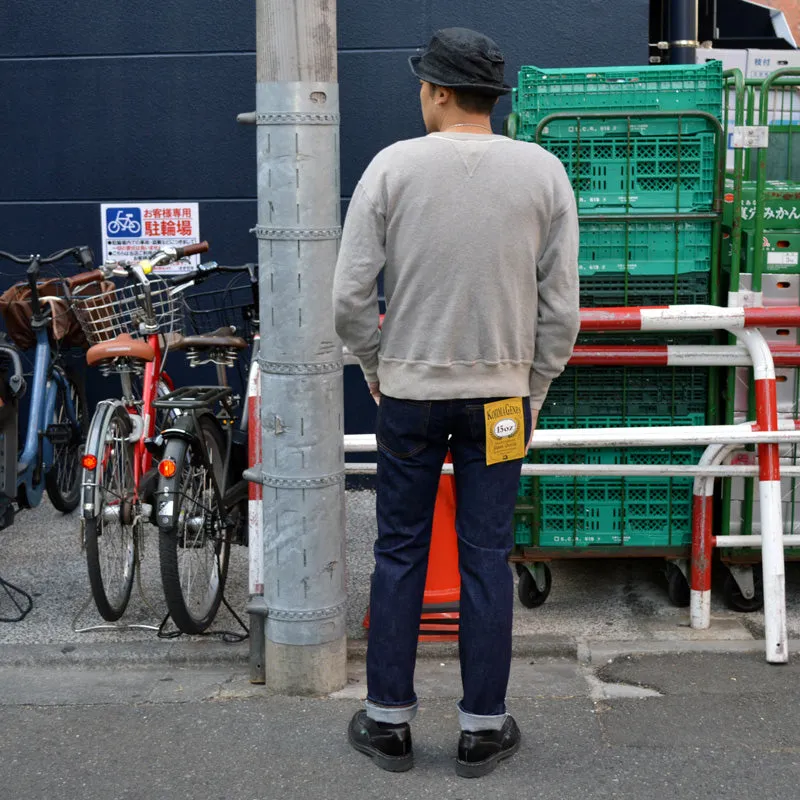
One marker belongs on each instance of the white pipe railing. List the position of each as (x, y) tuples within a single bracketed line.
[(677, 436), (610, 470)]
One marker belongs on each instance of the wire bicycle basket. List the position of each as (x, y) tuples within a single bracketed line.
[(232, 306), (122, 309)]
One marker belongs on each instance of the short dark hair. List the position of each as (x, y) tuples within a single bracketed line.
[(472, 102), (475, 102)]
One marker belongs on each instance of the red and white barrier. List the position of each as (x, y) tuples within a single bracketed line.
[(686, 318), (753, 349), (255, 489), (690, 355)]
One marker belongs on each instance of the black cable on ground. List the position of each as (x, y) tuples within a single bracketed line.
[(24, 608), (229, 637)]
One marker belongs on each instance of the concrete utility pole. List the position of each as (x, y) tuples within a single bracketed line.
[(297, 113)]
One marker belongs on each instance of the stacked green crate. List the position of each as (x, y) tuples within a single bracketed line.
[(662, 169), (631, 165), (542, 92), (585, 512)]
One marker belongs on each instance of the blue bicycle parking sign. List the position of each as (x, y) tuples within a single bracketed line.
[(123, 221), (132, 231)]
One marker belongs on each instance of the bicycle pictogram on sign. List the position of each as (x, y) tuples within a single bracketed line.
[(124, 221)]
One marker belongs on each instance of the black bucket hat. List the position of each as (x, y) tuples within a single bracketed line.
[(459, 58)]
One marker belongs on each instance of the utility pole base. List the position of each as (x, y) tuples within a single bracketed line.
[(307, 669)]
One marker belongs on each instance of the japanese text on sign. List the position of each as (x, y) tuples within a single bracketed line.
[(134, 231)]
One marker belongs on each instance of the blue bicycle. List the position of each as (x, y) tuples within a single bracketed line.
[(38, 314)]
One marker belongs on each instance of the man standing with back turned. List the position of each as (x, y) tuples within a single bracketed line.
[(478, 239)]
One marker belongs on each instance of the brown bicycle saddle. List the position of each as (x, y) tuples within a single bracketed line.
[(123, 346), (222, 337)]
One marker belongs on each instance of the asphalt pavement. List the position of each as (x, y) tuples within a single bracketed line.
[(677, 727)]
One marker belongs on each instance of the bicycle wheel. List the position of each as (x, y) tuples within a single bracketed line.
[(195, 549), (63, 480), (111, 535)]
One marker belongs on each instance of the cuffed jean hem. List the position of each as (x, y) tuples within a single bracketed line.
[(476, 722), (394, 715)]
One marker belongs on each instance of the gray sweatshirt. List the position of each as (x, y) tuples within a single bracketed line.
[(477, 236)]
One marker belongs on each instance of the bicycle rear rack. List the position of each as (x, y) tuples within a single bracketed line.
[(193, 397)]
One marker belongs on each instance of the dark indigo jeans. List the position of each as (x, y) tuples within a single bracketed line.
[(413, 440)]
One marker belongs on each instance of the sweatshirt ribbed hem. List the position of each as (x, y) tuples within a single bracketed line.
[(414, 380)]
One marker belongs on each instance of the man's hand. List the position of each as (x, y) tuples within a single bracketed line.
[(375, 391), (534, 420)]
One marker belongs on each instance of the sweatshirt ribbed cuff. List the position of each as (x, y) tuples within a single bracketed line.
[(370, 372), (539, 387)]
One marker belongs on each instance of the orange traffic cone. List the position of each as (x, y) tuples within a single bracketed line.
[(440, 604)]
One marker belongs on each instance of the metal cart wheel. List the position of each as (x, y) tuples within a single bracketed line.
[(677, 585), (735, 598), (532, 591)]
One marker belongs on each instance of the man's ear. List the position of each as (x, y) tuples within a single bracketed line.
[(442, 95)]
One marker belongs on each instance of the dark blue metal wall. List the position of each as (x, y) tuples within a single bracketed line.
[(137, 101)]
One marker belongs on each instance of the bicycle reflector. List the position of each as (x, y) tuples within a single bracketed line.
[(167, 467), (89, 462)]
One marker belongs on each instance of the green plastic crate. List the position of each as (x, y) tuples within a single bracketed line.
[(585, 512), (574, 127), (603, 511), (644, 248), (622, 289), (665, 173), (541, 92), (628, 391)]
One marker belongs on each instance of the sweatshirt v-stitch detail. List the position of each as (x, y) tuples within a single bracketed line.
[(468, 154)]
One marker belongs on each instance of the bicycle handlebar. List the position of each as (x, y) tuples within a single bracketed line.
[(82, 253), (204, 271), (82, 278), (191, 249), (162, 257)]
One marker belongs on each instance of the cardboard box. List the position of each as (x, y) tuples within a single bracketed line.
[(781, 205), (762, 63), (731, 59)]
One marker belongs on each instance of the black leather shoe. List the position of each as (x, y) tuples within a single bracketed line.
[(479, 752), (389, 746)]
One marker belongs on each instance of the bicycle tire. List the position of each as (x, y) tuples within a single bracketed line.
[(111, 542), (191, 559), (62, 481)]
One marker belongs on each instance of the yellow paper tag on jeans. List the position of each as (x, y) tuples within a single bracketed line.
[(505, 430)]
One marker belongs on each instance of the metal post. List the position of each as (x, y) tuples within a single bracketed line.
[(302, 472), (769, 491), (683, 27), (256, 607), (702, 537)]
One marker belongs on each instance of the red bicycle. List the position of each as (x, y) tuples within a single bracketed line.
[(130, 327)]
